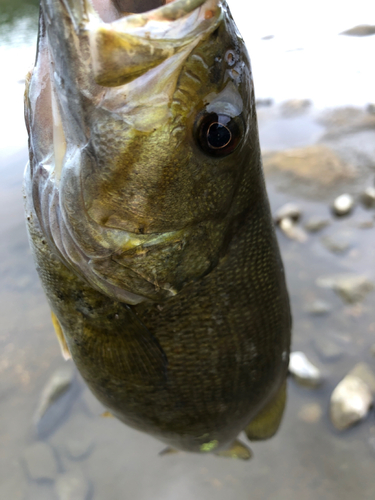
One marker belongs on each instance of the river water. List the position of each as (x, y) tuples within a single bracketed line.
[(302, 57)]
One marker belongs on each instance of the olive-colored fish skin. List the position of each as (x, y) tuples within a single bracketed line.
[(206, 348)]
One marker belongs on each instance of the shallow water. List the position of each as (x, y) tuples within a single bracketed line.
[(307, 459)]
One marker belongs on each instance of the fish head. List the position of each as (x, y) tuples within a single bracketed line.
[(151, 159)]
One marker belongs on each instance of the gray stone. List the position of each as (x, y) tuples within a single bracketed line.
[(343, 205), (365, 224), (295, 107), (338, 242), (292, 231), (346, 120), (373, 350), (290, 211), (81, 448), (368, 197), (57, 385), (310, 171), (360, 30), (350, 402), (264, 103), (316, 223), (40, 462), (72, 486), (350, 287), (327, 349), (303, 370), (319, 308), (371, 108)]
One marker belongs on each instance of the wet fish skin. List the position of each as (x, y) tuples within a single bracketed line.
[(159, 261)]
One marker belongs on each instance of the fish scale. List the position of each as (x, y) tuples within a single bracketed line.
[(151, 230)]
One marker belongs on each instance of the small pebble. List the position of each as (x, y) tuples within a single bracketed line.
[(81, 448), (292, 231), (343, 205), (40, 462), (319, 308), (365, 224), (316, 223), (290, 211), (72, 486), (351, 287), (368, 197), (57, 385), (303, 370), (264, 103), (350, 402), (337, 242), (327, 349), (310, 413), (295, 107)]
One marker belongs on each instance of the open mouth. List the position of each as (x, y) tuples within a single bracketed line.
[(130, 37), (111, 10)]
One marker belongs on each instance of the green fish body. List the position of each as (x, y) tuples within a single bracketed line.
[(149, 220)]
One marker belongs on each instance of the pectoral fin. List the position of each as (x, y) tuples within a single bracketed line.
[(60, 337), (237, 450), (267, 422)]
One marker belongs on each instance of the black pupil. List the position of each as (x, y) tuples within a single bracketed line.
[(218, 135)]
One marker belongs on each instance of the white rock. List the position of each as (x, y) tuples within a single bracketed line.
[(72, 486), (303, 370), (292, 231), (343, 204), (350, 402)]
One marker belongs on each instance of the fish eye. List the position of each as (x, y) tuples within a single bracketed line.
[(218, 134)]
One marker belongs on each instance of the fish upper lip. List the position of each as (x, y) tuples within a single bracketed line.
[(168, 12)]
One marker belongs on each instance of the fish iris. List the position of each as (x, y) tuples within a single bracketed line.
[(218, 134)]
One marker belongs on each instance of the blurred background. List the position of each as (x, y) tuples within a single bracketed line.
[(316, 111)]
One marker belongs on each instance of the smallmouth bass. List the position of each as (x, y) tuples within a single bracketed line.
[(149, 220)]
